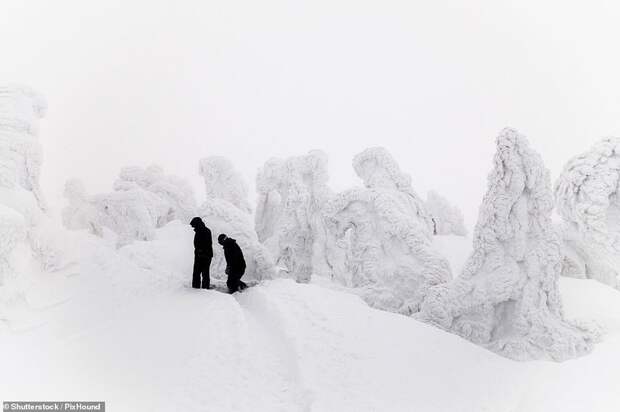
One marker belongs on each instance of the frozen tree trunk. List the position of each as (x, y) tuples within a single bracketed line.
[(507, 297), (587, 199), (291, 195), (390, 255), (447, 218)]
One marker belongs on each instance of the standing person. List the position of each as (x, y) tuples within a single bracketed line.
[(203, 254), (235, 263)]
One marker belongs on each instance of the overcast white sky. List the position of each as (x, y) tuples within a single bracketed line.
[(136, 82)]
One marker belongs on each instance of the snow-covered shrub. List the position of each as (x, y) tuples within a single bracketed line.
[(132, 213), (587, 198), (222, 181), (447, 218), (173, 190), (289, 219), (507, 297), (390, 255)]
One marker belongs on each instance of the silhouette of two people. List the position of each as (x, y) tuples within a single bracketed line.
[(203, 255)]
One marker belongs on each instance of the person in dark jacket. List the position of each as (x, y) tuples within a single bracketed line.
[(203, 254), (235, 263)]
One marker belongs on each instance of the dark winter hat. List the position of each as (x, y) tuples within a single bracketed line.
[(196, 222), (221, 238)]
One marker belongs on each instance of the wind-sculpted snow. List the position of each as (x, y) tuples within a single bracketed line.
[(174, 191), (447, 218), (507, 297), (132, 213), (390, 256), (20, 150), (221, 216), (587, 199), (142, 200), (222, 181), (289, 220), (22, 205)]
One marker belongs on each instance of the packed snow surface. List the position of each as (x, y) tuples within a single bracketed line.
[(123, 326)]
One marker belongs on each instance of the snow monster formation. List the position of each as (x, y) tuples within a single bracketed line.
[(143, 200), (20, 162), (174, 191), (587, 198), (289, 220), (389, 234), (507, 297), (227, 210), (447, 219), (23, 222), (222, 181)]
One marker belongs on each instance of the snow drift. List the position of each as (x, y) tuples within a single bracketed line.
[(507, 297), (587, 199)]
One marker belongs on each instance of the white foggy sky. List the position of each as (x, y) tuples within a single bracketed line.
[(136, 82)]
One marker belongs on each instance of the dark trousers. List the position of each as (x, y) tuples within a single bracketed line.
[(234, 281), (201, 267)]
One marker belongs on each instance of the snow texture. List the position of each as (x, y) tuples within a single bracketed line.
[(291, 195), (20, 151), (222, 181), (507, 297), (587, 199), (143, 200), (389, 233), (221, 216), (447, 218), (227, 210)]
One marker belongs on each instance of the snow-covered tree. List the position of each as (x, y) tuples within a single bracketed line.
[(289, 219), (507, 297), (173, 190), (587, 198), (221, 217), (388, 232), (447, 218), (222, 181), (227, 210), (20, 151)]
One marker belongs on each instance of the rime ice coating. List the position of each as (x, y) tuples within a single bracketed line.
[(587, 199), (507, 297), (388, 234)]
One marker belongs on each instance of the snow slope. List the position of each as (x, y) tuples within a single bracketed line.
[(123, 327)]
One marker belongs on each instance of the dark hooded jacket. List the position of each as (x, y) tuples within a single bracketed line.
[(203, 244), (234, 256)]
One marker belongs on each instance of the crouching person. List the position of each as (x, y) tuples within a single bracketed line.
[(235, 263)]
